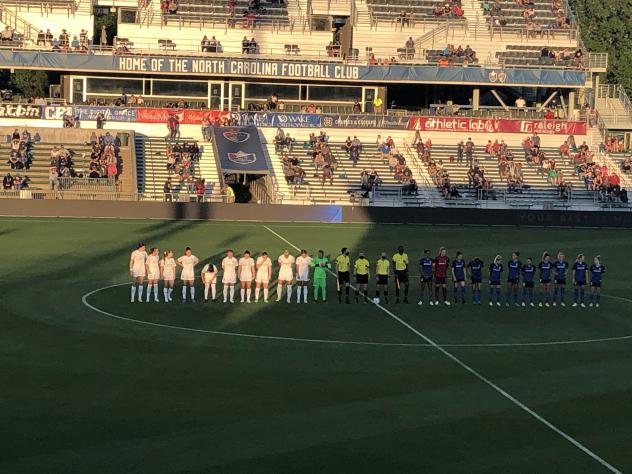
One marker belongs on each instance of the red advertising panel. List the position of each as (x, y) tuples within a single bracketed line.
[(185, 116), (474, 125)]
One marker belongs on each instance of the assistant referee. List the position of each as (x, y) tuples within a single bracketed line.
[(400, 266)]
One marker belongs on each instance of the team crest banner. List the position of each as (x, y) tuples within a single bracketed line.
[(239, 150)]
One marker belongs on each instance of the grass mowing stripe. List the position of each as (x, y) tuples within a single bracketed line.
[(482, 378)]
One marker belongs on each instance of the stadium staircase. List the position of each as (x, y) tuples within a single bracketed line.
[(151, 166), (539, 189), (346, 186)]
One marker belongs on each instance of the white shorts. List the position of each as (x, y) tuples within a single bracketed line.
[(262, 278), (138, 273), (303, 275), (168, 276), (187, 276), (210, 280), (246, 276), (154, 274), (229, 279), (285, 275)]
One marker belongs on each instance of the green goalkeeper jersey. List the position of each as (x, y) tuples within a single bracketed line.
[(319, 265)]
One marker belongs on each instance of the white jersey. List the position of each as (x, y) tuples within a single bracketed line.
[(247, 268), (168, 268), (229, 265), (285, 267), (302, 267), (209, 273), (188, 267), (263, 270), (137, 260), (153, 267)]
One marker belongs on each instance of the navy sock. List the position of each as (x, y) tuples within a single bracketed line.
[(562, 294)]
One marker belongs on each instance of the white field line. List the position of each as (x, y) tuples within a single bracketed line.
[(485, 380), (85, 302)]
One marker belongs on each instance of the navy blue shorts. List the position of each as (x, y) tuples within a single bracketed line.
[(596, 284), (458, 280), (426, 279), (513, 281), (560, 281), (545, 281), (476, 281), (382, 279), (494, 283), (528, 284), (580, 283)]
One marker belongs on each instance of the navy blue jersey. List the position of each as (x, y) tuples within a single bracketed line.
[(458, 266), (513, 269), (476, 269), (596, 272), (579, 271), (528, 272), (560, 269), (495, 270), (545, 270), (425, 265)]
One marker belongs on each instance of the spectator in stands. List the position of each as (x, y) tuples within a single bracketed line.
[(64, 39), (521, 103), (378, 105), (357, 107), (41, 38), (7, 34), (7, 182), (410, 48), (164, 11), (173, 7)]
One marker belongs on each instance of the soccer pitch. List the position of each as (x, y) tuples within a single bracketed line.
[(93, 383)]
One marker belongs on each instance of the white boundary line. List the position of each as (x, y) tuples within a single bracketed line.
[(84, 300), (485, 380)]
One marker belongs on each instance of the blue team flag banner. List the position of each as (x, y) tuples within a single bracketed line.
[(239, 150)]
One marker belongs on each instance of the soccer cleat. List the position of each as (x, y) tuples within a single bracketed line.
[(277, 300), (517, 305), (596, 305), (192, 301), (554, 303), (590, 305), (447, 303), (406, 300), (507, 304), (206, 301), (562, 304), (574, 305), (265, 301), (547, 304), (491, 304), (532, 305), (497, 303), (524, 304), (582, 305), (419, 303), (540, 304), (132, 300)]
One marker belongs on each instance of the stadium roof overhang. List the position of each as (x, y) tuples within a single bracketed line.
[(209, 67)]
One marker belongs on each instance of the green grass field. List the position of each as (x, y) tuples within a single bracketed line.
[(284, 388)]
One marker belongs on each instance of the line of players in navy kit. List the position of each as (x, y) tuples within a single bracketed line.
[(549, 276)]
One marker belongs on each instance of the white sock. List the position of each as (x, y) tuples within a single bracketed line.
[(232, 294), (279, 291), (140, 292), (213, 291), (156, 291), (299, 289), (133, 293), (289, 292), (170, 293), (165, 293), (206, 288), (265, 294), (242, 292), (184, 293), (225, 291), (192, 293), (149, 287), (257, 291), (305, 294), (248, 293)]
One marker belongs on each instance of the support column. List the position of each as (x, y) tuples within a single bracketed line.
[(476, 99), (571, 105)]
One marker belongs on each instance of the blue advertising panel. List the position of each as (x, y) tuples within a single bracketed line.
[(328, 71), (111, 114), (240, 150), (270, 119)]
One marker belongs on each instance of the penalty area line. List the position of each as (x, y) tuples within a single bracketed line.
[(482, 378)]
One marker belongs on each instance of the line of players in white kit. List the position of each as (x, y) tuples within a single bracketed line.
[(149, 265)]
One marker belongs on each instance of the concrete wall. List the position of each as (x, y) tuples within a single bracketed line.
[(330, 214)]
